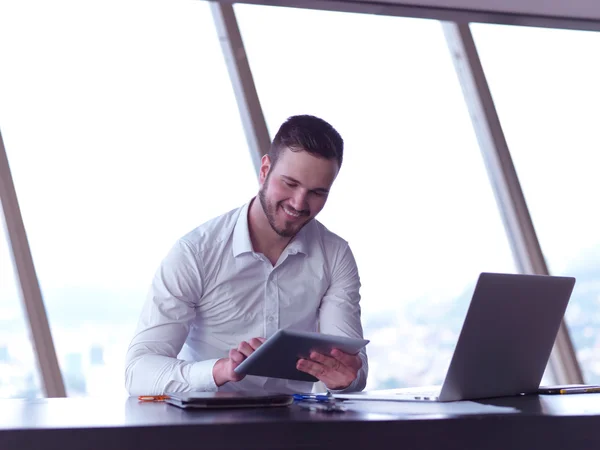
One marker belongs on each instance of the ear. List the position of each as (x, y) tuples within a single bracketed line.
[(265, 166)]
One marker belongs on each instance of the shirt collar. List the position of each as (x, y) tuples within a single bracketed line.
[(300, 242), (241, 236)]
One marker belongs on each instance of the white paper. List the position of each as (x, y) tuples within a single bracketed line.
[(419, 407)]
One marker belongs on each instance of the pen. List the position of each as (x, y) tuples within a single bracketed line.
[(312, 397), (581, 390), (152, 398)]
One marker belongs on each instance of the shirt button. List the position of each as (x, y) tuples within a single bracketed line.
[(271, 319)]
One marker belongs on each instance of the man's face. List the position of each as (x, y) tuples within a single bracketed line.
[(294, 190)]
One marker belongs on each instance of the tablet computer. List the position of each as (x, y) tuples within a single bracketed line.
[(278, 355), (240, 399)]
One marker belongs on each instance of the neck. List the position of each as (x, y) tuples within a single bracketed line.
[(264, 239)]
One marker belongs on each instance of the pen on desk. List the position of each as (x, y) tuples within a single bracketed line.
[(152, 398), (312, 397), (581, 390)]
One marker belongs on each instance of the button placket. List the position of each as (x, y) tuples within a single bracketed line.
[(271, 304)]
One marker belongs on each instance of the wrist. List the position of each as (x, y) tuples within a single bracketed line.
[(339, 387), (218, 372)]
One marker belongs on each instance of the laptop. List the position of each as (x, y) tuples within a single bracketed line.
[(505, 341)]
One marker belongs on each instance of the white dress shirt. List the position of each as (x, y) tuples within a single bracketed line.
[(212, 291)]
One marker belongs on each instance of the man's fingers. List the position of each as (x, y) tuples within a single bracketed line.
[(347, 359), (333, 379), (328, 361), (315, 369), (235, 356), (256, 342), (245, 348)]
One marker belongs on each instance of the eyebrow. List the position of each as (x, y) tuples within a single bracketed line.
[(293, 180)]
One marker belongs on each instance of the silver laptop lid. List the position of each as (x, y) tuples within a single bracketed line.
[(507, 335)]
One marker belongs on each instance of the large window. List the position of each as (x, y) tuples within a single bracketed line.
[(18, 373), (412, 198), (123, 134), (545, 87)]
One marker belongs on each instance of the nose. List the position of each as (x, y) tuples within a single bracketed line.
[(299, 200)]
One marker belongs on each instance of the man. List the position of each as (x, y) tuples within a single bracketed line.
[(234, 281)]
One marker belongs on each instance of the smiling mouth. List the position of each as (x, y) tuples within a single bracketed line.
[(291, 212)]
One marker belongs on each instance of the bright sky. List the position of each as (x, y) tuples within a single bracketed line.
[(123, 133)]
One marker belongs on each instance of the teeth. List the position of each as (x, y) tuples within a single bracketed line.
[(291, 213)]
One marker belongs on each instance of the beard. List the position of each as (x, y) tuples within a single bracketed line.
[(270, 210)]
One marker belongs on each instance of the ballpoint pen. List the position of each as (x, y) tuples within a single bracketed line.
[(312, 398)]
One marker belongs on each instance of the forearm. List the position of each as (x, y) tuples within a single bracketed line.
[(153, 374)]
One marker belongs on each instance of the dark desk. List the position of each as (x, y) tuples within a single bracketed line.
[(547, 422)]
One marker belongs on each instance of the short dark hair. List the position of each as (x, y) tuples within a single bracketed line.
[(310, 134)]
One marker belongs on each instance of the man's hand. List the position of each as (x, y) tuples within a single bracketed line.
[(337, 370), (223, 368)]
